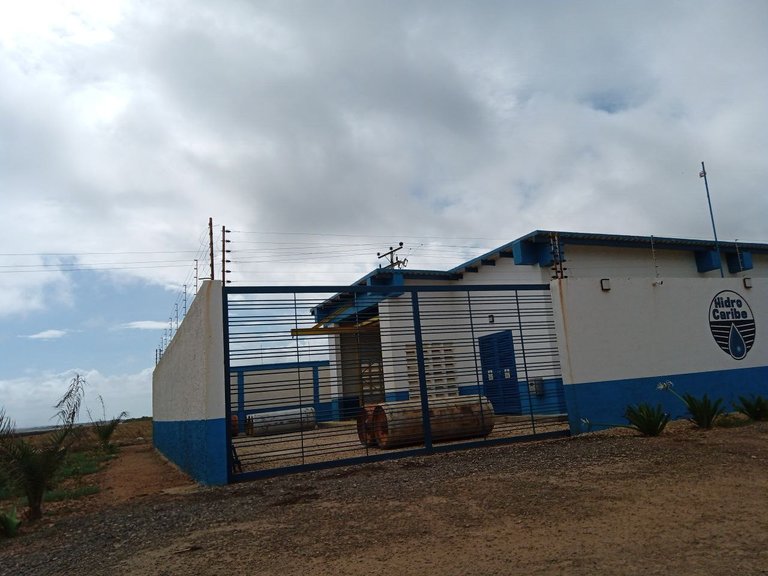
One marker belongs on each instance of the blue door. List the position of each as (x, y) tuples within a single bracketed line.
[(497, 361)]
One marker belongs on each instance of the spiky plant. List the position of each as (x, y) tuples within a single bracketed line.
[(32, 467), (104, 428), (704, 412), (649, 421), (754, 408)]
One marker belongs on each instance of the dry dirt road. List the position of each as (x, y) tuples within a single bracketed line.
[(689, 502)]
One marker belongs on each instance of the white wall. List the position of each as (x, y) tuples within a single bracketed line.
[(188, 382), (638, 330)]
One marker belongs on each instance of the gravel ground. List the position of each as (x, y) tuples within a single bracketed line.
[(690, 502)]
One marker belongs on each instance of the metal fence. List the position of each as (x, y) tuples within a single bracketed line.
[(325, 376)]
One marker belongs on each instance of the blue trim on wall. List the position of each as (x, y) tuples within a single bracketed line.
[(604, 403), (551, 401), (397, 396), (198, 447)]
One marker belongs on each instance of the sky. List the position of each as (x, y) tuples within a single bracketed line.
[(321, 133)]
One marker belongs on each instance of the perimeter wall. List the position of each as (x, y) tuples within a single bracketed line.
[(188, 407)]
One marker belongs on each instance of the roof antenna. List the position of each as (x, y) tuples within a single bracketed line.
[(394, 260), (703, 174)]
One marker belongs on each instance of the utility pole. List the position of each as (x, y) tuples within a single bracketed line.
[(210, 243), (394, 260), (703, 174)]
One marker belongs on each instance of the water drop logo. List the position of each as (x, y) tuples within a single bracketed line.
[(732, 324)]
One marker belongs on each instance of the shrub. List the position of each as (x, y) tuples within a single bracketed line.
[(649, 421), (33, 467), (9, 523), (704, 412), (104, 428), (754, 408)]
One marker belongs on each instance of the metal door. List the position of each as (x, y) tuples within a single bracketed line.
[(497, 360)]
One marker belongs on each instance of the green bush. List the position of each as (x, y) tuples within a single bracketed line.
[(9, 523), (704, 412), (754, 408), (649, 421)]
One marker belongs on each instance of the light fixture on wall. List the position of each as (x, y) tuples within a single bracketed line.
[(605, 284), (491, 319), (747, 282)]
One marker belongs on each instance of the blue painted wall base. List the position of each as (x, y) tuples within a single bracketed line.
[(603, 403), (198, 447)]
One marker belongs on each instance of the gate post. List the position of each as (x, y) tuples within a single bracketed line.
[(422, 372), (227, 383)]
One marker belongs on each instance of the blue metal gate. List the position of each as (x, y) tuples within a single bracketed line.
[(335, 375)]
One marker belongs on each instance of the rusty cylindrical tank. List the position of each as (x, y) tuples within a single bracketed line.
[(400, 423), (365, 426)]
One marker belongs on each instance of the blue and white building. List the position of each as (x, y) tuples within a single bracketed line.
[(553, 323)]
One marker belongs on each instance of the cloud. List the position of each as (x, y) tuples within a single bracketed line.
[(29, 400), (47, 335), (374, 119), (144, 325)]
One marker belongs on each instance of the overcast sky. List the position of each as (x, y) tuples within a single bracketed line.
[(322, 132)]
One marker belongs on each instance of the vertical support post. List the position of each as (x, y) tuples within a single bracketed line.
[(703, 174), (478, 376), (424, 393), (298, 375), (210, 245), (525, 363), (227, 385), (241, 401)]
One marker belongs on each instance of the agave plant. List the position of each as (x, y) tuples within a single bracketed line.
[(704, 412), (32, 467), (649, 421), (754, 408)]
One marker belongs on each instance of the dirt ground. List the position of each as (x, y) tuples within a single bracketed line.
[(689, 502)]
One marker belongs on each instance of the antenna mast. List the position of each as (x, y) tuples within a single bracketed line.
[(703, 174)]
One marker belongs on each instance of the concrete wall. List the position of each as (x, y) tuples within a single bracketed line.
[(617, 345), (188, 392)]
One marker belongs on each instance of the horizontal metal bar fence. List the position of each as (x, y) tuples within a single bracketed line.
[(324, 376)]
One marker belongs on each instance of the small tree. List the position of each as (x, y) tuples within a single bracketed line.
[(104, 429), (32, 467)]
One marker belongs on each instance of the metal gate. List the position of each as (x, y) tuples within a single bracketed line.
[(325, 376)]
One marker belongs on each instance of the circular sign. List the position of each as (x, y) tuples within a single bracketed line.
[(732, 324)]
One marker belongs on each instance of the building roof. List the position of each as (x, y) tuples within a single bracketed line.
[(545, 237), (535, 248)]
